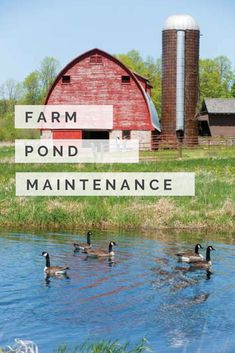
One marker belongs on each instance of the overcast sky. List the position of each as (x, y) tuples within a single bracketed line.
[(33, 29)]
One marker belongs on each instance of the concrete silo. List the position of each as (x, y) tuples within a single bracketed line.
[(180, 64)]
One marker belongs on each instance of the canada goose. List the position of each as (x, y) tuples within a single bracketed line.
[(83, 246), (101, 252), (53, 270), (190, 256), (206, 264)]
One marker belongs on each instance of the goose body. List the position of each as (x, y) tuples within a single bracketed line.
[(101, 252), (206, 264), (53, 270), (190, 256), (83, 246)]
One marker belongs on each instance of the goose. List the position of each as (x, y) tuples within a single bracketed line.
[(206, 264), (101, 252), (190, 256), (53, 270), (83, 246)]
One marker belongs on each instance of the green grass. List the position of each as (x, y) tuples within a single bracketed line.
[(212, 207), (99, 347), (105, 347), (6, 152), (202, 152)]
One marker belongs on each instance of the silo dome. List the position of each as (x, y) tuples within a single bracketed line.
[(181, 22)]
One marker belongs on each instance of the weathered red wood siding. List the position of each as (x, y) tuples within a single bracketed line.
[(102, 84), (144, 84)]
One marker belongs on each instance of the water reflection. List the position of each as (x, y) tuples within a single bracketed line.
[(142, 291), (47, 278)]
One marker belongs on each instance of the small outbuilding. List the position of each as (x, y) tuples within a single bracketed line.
[(98, 78), (217, 117)]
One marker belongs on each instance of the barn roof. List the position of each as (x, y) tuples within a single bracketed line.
[(148, 100), (218, 106)]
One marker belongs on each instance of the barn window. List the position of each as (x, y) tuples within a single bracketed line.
[(96, 59), (66, 79), (126, 134), (126, 79)]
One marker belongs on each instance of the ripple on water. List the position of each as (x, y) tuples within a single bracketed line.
[(144, 291)]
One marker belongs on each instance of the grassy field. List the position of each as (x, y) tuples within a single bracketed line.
[(213, 207)]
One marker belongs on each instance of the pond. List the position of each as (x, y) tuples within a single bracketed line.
[(144, 292)]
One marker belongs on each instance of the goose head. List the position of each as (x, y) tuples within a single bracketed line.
[(111, 244), (44, 253), (208, 251), (197, 248)]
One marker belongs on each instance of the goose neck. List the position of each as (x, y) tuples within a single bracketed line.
[(48, 264), (208, 255)]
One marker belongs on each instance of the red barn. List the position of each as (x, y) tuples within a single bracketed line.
[(97, 78)]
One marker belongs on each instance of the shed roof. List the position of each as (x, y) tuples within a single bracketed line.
[(219, 105)]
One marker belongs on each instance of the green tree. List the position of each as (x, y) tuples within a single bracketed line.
[(216, 78), (31, 85), (47, 72), (233, 90), (10, 92)]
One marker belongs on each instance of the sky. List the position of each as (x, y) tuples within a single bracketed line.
[(33, 29)]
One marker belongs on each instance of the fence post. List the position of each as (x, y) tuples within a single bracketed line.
[(179, 149)]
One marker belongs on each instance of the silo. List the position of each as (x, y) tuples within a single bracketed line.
[(180, 78)]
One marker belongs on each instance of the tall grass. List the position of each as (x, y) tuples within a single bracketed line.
[(213, 206), (106, 347)]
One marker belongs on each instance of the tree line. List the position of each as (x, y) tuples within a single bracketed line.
[(216, 80), (216, 76)]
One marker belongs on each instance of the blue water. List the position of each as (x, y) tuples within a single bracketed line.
[(144, 293)]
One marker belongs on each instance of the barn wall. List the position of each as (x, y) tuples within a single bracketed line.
[(102, 84), (149, 91), (222, 119), (143, 83), (222, 124)]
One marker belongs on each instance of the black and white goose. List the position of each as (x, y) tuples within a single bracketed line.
[(206, 264), (101, 252), (83, 246), (53, 270), (190, 256)]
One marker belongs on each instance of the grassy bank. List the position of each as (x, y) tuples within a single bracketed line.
[(212, 208), (94, 347), (106, 347)]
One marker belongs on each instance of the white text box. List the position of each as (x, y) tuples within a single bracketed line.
[(77, 151), (105, 184), (64, 117)]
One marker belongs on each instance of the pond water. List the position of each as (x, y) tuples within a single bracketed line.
[(145, 292)]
